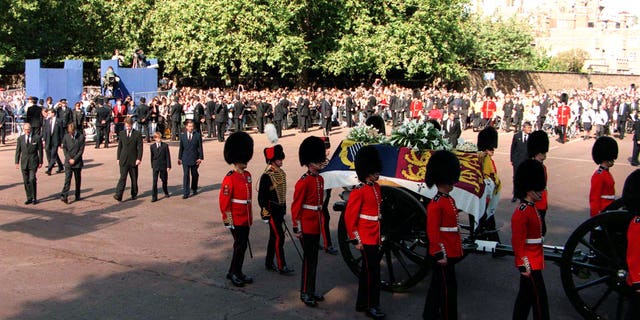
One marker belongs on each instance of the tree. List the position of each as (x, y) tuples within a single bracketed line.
[(569, 61)]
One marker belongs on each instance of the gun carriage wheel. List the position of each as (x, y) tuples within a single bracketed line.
[(593, 267)]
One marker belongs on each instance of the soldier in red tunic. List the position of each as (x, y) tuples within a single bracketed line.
[(537, 148), (445, 245), (235, 202), (603, 192), (563, 116), (488, 108), (631, 201), (527, 239), (306, 213), (362, 220)]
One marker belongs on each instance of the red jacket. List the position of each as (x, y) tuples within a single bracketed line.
[(633, 252), (415, 108), (526, 236), (602, 191), (306, 208), (488, 109), (564, 113), (362, 215), (442, 227), (119, 113), (543, 204), (235, 199)]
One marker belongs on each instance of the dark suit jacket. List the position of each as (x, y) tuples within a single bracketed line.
[(198, 112), (73, 148), (53, 139), (518, 149), (222, 115), (281, 110), (176, 112), (77, 118), (143, 113), (129, 148), (238, 109), (29, 156), (190, 151), (160, 157), (103, 114), (209, 109), (34, 116), (64, 114), (454, 133)]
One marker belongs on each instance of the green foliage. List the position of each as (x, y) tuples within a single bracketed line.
[(568, 61)]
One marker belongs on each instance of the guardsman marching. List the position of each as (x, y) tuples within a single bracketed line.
[(631, 200), (537, 148), (362, 220), (527, 240), (487, 143), (306, 212), (445, 245), (563, 115), (235, 202), (272, 197), (602, 192)]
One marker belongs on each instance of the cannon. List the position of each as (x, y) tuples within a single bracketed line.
[(592, 262)]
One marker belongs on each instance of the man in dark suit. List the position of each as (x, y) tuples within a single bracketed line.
[(73, 148), (28, 160), (326, 111), (77, 117), (624, 110), (190, 156), (129, 156), (507, 108), (160, 164), (263, 112), (519, 148), (238, 114), (222, 116), (63, 113), (176, 118), (350, 108), (280, 113), (636, 137), (210, 114), (53, 133), (103, 117), (144, 115), (198, 115), (34, 115), (452, 130), (3, 120)]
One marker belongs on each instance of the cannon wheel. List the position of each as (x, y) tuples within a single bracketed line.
[(404, 249), (594, 268)]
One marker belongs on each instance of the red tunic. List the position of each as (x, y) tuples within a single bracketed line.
[(235, 199), (306, 208), (543, 204), (442, 227), (633, 252), (602, 191), (564, 113), (362, 215), (415, 108), (526, 236), (488, 109)]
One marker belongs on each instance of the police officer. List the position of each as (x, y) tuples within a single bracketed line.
[(603, 192)]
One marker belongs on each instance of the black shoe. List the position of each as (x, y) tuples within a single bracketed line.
[(97, 147), (185, 196), (271, 267), (60, 171), (29, 201), (195, 192), (34, 202), (635, 164), (48, 172), (154, 199), (375, 313), (246, 279), (235, 280), (64, 199), (119, 199), (78, 198), (134, 197), (308, 300), (361, 308), (317, 297), (331, 250), (286, 271), (167, 195), (514, 199)]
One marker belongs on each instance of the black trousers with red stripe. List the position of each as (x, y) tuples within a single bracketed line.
[(310, 246), (442, 297), (275, 247), (369, 288), (532, 295), (240, 242), (325, 218)]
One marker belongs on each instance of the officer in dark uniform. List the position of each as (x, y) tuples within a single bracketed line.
[(103, 117), (527, 241), (306, 210), (235, 202), (362, 220), (272, 197), (445, 246), (602, 192)]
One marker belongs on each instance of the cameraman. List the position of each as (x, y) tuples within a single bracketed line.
[(139, 59), (110, 82)]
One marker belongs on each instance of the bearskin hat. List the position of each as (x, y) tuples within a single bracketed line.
[(631, 192), (327, 142), (488, 92), (312, 150), (564, 98), (604, 149), (529, 177), (377, 122), (487, 139), (238, 148), (273, 153), (538, 142), (443, 168), (367, 162)]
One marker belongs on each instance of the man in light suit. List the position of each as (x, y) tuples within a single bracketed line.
[(160, 164), (29, 160), (519, 148), (190, 157), (53, 133), (73, 148), (129, 156), (452, 129)]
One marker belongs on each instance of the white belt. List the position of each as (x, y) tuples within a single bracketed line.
[(370, 218), (611, 197), (315, 208), (241, 201), (534, 241), (449, 229)]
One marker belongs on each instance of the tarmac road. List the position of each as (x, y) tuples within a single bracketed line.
[(99, 259)]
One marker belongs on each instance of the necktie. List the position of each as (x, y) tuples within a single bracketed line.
[(525, 138), (29, 139), (189, 136), (128, 133), (158, 145)]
